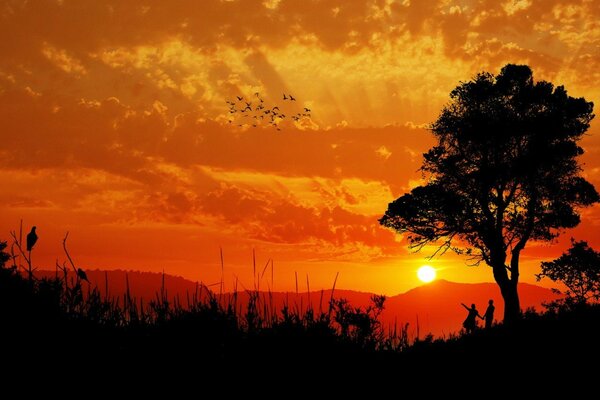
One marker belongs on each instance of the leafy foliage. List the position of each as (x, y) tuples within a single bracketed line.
[(578, 269), (504, 169), (4, 256)]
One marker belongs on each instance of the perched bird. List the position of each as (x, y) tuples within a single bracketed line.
[(32, 237), (82, 275)]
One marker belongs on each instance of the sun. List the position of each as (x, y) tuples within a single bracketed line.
[(426, 273)]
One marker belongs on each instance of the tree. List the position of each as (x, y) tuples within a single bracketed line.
[(578, 269), (504, 171), (4, 257)]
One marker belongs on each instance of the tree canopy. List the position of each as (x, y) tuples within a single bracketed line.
[(504, 171), (578, 269)]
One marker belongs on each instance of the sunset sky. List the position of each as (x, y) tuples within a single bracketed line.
[(115, 127)]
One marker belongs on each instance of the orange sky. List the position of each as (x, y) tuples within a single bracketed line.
[(114, 127)]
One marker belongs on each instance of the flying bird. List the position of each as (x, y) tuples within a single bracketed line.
[(82, 275), (284, 97), (306, 109), (32, 237), (292, 98), (240, 98)]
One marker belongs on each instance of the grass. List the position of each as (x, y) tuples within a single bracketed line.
[(68, 317), (64, 328)]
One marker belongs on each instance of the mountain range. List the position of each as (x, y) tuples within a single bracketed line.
[(431, 308)]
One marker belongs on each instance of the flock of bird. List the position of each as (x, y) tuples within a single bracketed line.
[(254, 112)]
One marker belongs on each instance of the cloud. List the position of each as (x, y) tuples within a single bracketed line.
[(114, 112)]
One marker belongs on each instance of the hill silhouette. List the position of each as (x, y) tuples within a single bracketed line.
[(99, 342), (437, 305), (431, 308), (142, 285)]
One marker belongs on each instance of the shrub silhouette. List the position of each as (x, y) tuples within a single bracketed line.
[(578, 269)]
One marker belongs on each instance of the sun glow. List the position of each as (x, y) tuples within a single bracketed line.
[(426, 273)]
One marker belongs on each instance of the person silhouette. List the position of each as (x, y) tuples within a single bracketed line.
[(489, 314), (470, 323)]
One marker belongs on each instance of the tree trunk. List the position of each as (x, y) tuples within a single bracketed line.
[(508, 289), (512, 306)]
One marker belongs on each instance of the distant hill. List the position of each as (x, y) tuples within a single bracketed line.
[(142, 285), (432, 308), (437, 304)]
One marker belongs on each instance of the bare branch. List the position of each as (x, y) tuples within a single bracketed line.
[(67, 253)]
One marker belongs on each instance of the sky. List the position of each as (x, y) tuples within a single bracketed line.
[(115, 128)]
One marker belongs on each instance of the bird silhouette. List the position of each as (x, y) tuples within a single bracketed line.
[(306, 109), (292, 98), (82, 275), (284, 97), (240, 98), (32, 238)]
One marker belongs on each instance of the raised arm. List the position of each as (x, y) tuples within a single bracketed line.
[(465, 306)]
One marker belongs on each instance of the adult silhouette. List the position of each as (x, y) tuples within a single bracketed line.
[(32, 237), (489, 314), (470, 323)]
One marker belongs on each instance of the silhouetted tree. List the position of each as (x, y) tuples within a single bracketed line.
[(578, 269), (4, 256), (504, 171)]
